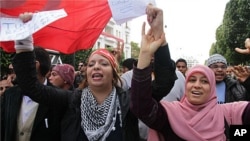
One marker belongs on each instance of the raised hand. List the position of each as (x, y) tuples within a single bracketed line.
[(241, 72), (27, 43), (149, 45), (155, 20), (247, 46), (26, 16)]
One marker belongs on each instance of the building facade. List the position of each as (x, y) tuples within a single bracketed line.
[(112, 34)]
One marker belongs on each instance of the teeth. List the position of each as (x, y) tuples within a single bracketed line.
[(197, 93), (96, 75)]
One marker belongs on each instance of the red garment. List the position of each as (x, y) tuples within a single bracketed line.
[(78, 31)]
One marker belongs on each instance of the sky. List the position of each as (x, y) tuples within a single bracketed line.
[(191, 26)]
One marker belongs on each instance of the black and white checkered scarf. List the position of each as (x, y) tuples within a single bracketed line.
[(98, 119)]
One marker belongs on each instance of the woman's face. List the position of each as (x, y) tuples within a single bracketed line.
[(99, 71), (56, 80), (198, 89)]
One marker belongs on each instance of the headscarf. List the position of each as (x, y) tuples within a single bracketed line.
[(205, 121), (105, 53), (66, 71)]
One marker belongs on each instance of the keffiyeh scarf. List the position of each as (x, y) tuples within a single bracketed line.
[(98, 120)]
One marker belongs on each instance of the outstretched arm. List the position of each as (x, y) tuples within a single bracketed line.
[(25, 66)]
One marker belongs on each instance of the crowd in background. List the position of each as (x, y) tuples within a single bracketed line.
[(141, 99)]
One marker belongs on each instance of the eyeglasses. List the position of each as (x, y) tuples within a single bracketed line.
[(223, 67)]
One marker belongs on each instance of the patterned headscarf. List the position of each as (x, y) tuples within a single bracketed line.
[(66, 71), (105, 53)]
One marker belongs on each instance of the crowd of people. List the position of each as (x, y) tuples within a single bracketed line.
[(154, 98)]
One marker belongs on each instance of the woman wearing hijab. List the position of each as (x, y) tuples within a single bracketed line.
[(62, 76), (197, 117)]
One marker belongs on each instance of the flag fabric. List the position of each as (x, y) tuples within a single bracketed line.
[(78, 31)]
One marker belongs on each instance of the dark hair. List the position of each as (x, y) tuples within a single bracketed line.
[(128, 63), (84, 63), (42, 56), (181, 60)]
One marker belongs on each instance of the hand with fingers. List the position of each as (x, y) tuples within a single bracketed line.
[(247, 46), (149, 45), (155, 20), (26, 44), (241, 72)]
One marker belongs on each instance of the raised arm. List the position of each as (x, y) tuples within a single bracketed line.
[(25, 66), (143, 105), (164, 66)]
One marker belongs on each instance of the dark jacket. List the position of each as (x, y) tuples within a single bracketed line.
[(65, 105), (10, 108), (246, 85), (234, 91)]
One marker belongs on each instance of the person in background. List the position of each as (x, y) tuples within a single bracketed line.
[(23, 119), (127, 64), (227, 88), (62, 76), (181, 65), (177, 91), (11, 75), (80, 75), (229, 72), (4, 85), (9, 81)]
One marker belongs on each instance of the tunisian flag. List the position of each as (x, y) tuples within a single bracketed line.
[(78, 31)]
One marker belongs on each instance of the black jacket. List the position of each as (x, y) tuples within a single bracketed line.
[(10, 108), (234, 91), (246, 85)]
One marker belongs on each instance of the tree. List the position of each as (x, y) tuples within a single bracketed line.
[(135, 50), (5, 60), (74, 58), (233, 31)]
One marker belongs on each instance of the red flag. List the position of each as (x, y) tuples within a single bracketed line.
[(78, 31)]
